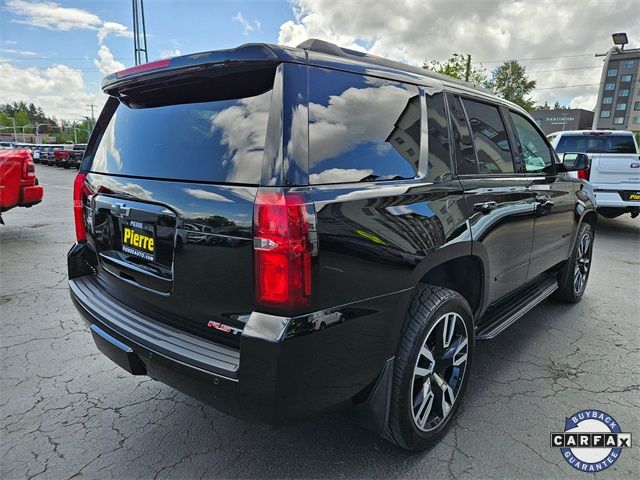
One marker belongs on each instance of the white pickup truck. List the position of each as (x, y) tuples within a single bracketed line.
[(614, 171)]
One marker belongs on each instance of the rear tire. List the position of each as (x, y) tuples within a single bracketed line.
[(574, 275), (432, 367)]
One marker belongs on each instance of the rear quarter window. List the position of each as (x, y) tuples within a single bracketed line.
[(362, 128)]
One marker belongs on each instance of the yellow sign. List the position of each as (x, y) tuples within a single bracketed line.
[(138, 240)]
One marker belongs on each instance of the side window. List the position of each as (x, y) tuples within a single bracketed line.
[(361, 129), (439, 167), (535, 153), (489, 137), (466, 162)]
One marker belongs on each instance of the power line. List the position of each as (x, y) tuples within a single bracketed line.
[(568, 86), (536, 58), (563, 69)]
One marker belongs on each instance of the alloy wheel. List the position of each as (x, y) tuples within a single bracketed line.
[(583, 261), (439, 371)]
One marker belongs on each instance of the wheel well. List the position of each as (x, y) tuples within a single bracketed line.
[(592, 219), (464, 275)]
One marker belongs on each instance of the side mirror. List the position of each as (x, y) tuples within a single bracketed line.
[(575, 161)]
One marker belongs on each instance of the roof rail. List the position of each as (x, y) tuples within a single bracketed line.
[(322, 46)]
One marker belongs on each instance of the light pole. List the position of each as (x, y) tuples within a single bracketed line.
[(15, 135), (23, 127), (619, 41), (37, 131)]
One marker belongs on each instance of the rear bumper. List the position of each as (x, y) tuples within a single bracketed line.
[(283, 371), (31, 195), (617, 198)]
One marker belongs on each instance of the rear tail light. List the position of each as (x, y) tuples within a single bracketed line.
[(80, 191), (28, 169), (584, 174), (285, 240)]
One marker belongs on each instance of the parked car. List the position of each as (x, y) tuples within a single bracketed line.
[(613, 169), (62, 156), (76, 155), (18, 183), (385, 219), (50, 160), (36, 152)]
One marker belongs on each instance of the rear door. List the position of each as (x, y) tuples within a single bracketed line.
[(501, 206), (173, 183)]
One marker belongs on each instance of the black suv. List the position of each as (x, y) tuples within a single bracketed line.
[(283, 231)]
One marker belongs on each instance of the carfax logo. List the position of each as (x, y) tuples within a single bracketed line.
[(592, 440)]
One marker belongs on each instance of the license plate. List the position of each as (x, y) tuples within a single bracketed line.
[(139, 240), (634, 197)]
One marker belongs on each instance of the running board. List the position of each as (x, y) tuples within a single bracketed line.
[(505, 313)]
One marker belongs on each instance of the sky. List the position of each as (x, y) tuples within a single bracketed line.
[(54, 53)]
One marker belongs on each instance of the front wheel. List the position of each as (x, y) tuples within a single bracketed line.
[(431, 368), (573, 277)]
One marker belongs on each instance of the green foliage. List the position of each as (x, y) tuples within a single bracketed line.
[(68, 132), (30, 114), (460, 67), (556, 106), (510, 82)]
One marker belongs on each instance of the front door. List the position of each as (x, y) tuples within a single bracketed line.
[(553, 193)]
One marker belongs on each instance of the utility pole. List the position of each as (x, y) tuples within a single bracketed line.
[(93, 118), (140, 54), (467, 72)]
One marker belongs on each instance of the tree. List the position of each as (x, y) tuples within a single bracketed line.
[(510, 82), (459, 66)]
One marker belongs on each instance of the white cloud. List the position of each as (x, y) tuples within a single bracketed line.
[(53, 16), (205, 195), (113, 28), (24, 53), (105, 61), (246, 25), (59, 90), (346, 121), (174, 52), (413, 31), (243, 128), (339, 175)]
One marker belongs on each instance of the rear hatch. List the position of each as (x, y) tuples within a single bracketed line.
[(614, 156), (173, 174)]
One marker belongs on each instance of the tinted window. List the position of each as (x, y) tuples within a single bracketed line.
[(361, 129), (596, 144), (439, 165), (465, 155), (217, 141), (489, 137), (534, 150)]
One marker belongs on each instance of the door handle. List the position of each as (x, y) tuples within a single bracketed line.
[(544, 200), (485, 207)]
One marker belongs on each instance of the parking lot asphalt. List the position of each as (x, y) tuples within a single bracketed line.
[(68, 412)]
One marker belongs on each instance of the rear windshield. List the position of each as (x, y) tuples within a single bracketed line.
[(217, 141), (596, 144)]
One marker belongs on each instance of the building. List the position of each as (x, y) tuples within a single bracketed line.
[(619, 95), (558, 120)]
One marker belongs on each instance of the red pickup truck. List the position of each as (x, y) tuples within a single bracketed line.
[(18, 183)]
